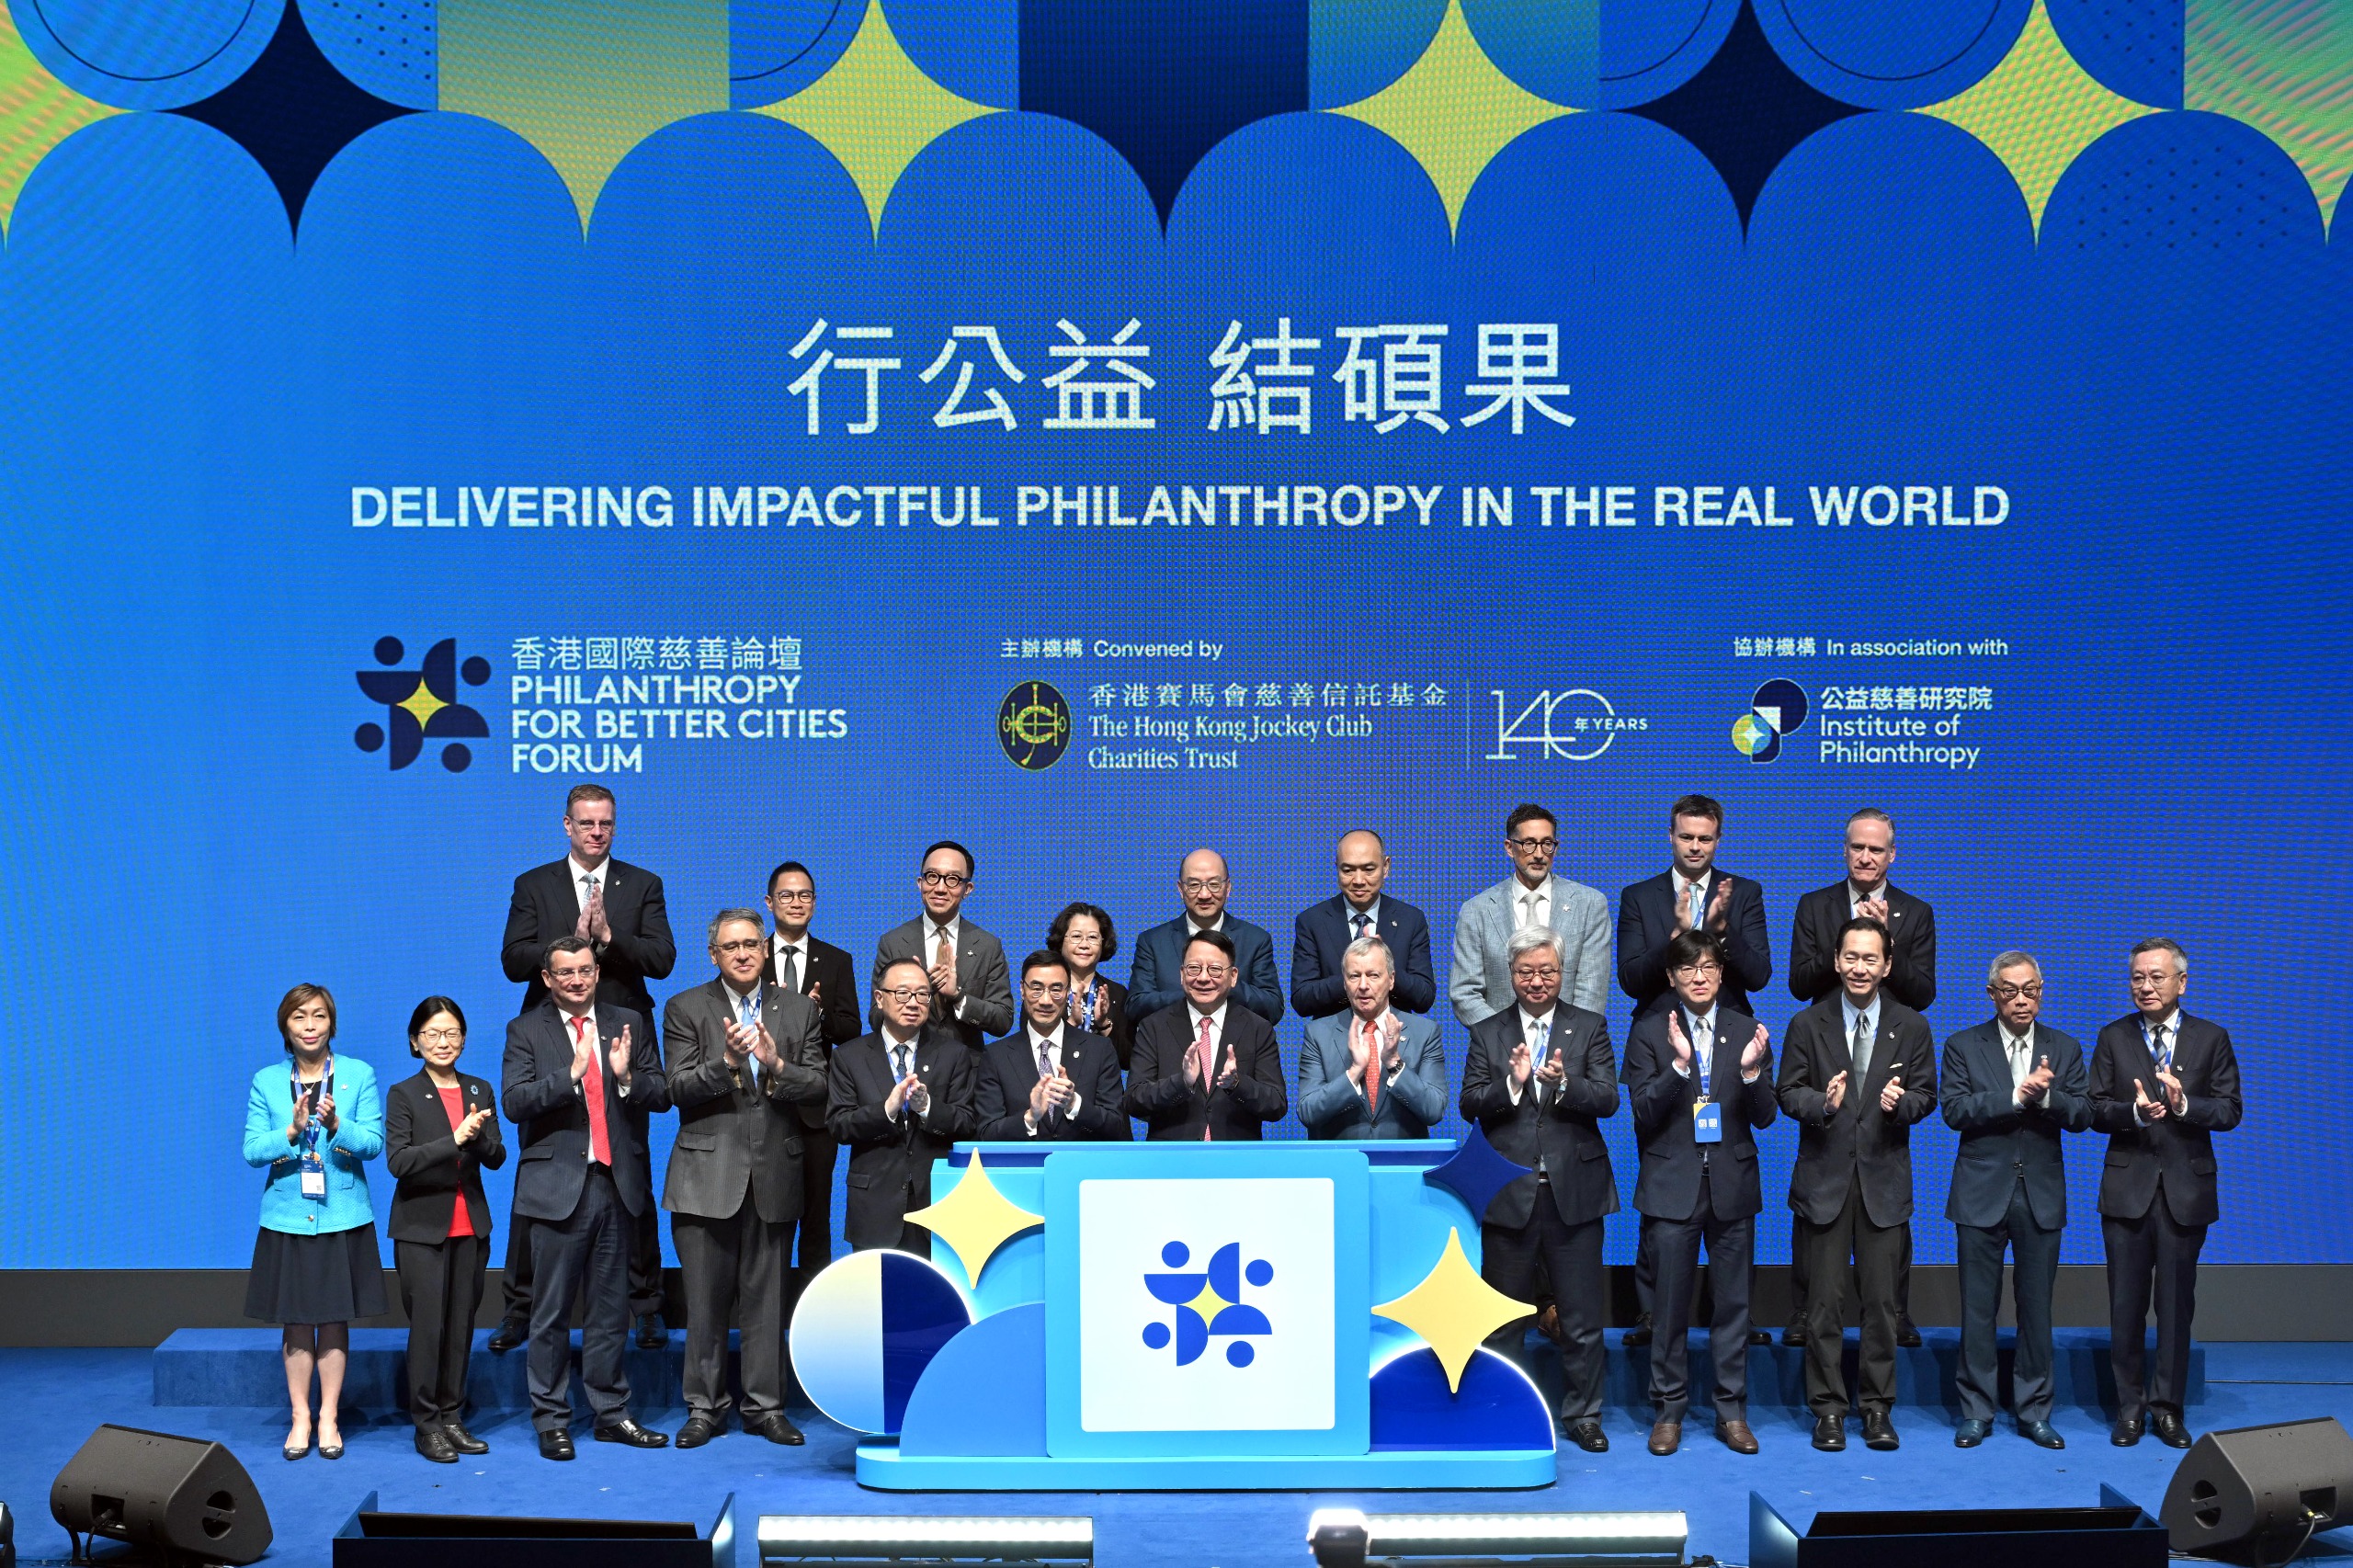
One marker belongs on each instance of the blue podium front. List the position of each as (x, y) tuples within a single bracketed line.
[(1203, 1316)]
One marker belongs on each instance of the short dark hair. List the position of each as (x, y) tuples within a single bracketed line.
[(574, 944), (422, 1015), (1218, 939), (1102, 918), (1696, 806), (790, 865), (1690, 947), (1865, 923), (1042, 959), (303, 993), (585, 792), (1528, 811), (970, 869)]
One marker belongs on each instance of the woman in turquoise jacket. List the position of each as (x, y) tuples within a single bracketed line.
[(312, 1119)]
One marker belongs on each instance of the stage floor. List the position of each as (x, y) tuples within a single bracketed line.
[(53, 1398)]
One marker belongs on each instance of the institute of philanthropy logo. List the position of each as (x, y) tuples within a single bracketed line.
[(1207, 1302), (422, 704), (1779, 709), (1033, 725)]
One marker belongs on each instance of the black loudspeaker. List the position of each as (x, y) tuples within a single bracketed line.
[(188, 1498), (2260, 1489)]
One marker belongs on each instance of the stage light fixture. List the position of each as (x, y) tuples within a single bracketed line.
[(1347, 1538), (2260, 1492), (851, 1539)]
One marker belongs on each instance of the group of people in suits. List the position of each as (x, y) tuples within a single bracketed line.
[(772, 1065)]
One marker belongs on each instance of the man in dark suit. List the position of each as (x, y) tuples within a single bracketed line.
[(573, 1066), (824, 973), (972, 991), (1323, 932), (1154, 981), (1691, 894), (899, 1097), (744, 1057), (1050, 1081), (2011, 1086), (2162, 1084), (618, 908), (1208, 1069), (1912, 980), (1857, 1071), (1699, 1075), (1538, 1079)]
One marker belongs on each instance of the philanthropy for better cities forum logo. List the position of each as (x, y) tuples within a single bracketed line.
[(1208, 1303), (422, 704), (1033, 725), (1777, 708)]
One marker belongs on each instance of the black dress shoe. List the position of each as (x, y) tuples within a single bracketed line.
[(1589, 1436), (1760, 1336), (1905, 1335), (1794, 1335), (699, 1430), (507, 1336), (2125, 1433), (1830, 1434), (1640, 1335), (777, 1429), (628, 1431), (555, 1445), (2042, 1433), (1970, 1432), (465, 1442), (434, 1444), (2166, 1424), (1879, 1431), (650, 1333)]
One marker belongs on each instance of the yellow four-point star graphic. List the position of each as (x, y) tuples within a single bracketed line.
[(1453, 1310), (975, 1219), (423, 703)]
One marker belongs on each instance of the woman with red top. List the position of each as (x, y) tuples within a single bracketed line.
[(440, 1134)]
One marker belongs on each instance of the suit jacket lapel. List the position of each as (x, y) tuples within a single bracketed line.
[(440, 1107)]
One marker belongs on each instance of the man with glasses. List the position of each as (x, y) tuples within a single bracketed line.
[(1208, 1069), (1048, 1081), (1699, 1075), (1538, 1079), (899, 1097), (824, 973), (743, 1058), (2011, 1085), (1479, 982), (1154, 984), (619, 910), (971, 989), (1360, 909), (2162, 1084)]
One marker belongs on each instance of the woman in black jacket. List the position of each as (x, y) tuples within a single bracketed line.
[(440, 1134)]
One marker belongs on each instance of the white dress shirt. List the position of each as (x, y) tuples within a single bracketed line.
[(1529, 1023), (1052, 1046), (736, 1000), (891, 1047), (595, 878), (1697, 1030), (2019, 1049), (799, 947), (932, 934), (1532, 906)]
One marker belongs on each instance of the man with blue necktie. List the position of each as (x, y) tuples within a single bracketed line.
[(1323, 932)]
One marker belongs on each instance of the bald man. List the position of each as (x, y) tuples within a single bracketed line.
[(1204, 884), (1360, 909)]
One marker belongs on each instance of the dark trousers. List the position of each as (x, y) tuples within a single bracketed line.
[(1675, 1244), (1875, 1250), (1980, 1249), (1520, 1260), (1646, 1275), (1800, 1273), (734, 1265), (2151, 1255), (910, 1238), (590, 1248), (818, 1152), (441, 1286), (645, 1265)]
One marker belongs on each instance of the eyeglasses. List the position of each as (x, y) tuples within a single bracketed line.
[(902, 993), (1205, 972), (1693, 970), (441, 1037), (585, 972), (2012, 993), (944, 880), (1044, 988), (1201, 884), (1546, 845), (1550, 972), (804, 896), (746, 944)]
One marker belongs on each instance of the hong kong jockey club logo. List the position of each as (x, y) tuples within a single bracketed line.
[(1208, 1303), (1033, 725), (1779, 709), (422, 704)]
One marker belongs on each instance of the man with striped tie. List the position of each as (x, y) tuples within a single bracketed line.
[(2162, 1084)]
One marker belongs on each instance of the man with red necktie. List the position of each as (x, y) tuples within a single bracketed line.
[(1207, 1071)]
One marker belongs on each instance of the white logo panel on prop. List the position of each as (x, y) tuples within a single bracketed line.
[(1206, 1305)]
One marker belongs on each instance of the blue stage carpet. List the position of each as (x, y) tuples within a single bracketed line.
[(55, 1397)]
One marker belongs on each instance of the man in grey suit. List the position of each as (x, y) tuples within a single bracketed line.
[(2010, 1087), (1480, 983), (972, 989), (1371, 1072), (743, 1056)]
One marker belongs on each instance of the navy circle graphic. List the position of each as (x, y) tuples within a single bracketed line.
[(1033, 725)]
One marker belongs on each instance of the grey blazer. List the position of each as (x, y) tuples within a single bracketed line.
[(980, 976), (1479, 984), (739, 1128), (1412, 1098)]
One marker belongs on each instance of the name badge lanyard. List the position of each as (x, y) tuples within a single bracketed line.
[(312, 1161), (1707, 1115)]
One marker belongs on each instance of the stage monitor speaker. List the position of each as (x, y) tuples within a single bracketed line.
[(185, 1496), (2260, 1489)]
